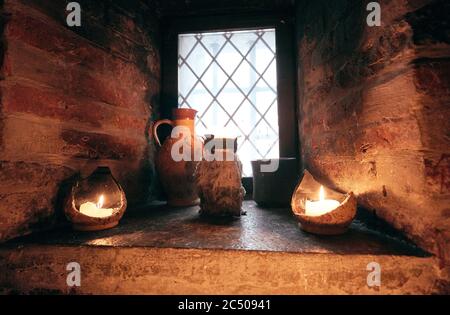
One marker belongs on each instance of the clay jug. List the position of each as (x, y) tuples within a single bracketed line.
[(178, 157), (218, 178)]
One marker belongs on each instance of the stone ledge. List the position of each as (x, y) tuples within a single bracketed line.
[(158, 250), (260, 229), (118, 270)]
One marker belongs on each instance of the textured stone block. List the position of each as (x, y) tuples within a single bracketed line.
[(21, 97), (143, 270), (100, 146), (28, 196), (77, 69)]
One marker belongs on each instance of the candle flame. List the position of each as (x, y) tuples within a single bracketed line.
[(321, 193), (100, 202)]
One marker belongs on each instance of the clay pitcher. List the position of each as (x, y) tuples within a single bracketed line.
[(178, 158)]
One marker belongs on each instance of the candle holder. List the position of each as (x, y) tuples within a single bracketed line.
[(96, 202), (329, 222)]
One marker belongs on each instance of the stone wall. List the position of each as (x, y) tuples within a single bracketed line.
[(374, 109), (73, 98)]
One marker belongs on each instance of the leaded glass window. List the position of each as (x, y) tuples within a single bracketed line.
[(230, 78)]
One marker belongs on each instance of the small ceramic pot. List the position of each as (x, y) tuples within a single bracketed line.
[(274, 188)]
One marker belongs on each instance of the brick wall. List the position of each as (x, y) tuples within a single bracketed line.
[(374, 109), (73, 98)]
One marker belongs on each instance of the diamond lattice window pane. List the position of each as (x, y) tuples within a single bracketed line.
[(228, 58), (269, 76), (230, 79), (186, 85), (269, 39), (230, 97), (243, 41), (187, 44), (199, 98), (245, 77), (246, 117), (214, 78), (213, 42)]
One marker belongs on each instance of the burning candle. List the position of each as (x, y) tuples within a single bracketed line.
[(95, 210), (322, 206)]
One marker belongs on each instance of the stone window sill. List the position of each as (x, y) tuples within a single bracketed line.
[(261, 229)]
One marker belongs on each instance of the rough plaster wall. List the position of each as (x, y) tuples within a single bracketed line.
[(374, 109), (73, 99)]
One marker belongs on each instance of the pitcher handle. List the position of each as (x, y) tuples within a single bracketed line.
[(156, 125)]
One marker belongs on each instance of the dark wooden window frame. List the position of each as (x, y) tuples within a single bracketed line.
[(286, 66)]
